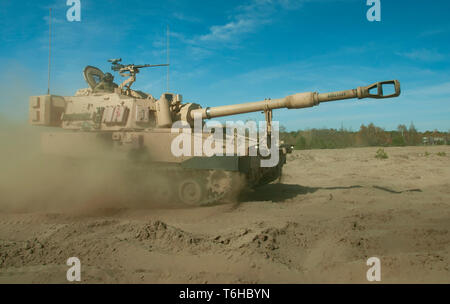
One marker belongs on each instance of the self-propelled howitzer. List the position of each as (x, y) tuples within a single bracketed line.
[(136, 127)]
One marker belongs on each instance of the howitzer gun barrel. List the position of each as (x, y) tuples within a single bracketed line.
[(300, 100)]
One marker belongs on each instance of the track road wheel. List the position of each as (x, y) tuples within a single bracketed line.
[(161, 191), (191, 192)]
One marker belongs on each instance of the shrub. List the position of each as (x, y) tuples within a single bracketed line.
[(381, 154)]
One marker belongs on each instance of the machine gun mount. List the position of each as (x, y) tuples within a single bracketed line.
[(130, 71)]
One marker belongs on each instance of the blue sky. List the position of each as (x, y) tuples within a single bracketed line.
[(225, 52)]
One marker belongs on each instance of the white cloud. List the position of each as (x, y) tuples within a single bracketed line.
[(183, 17), (248, 18), (441, 89), (424, 55), (243, 19), (433, 32), (230, 30)]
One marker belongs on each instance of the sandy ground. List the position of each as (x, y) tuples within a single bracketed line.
[(332, 211)]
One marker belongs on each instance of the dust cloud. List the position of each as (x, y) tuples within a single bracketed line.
[(31, 181)]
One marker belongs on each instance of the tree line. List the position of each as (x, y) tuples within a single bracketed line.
[(366, 136)]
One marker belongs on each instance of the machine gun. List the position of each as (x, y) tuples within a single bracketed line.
[(129, 70)]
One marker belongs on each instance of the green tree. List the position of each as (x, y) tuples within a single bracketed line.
[(413, 135)]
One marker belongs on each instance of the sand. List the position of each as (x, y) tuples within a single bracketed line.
[(332, 211)]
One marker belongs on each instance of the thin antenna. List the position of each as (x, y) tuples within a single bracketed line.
[(168, 58), (49, 48)]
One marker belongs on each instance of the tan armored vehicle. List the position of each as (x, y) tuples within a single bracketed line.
[(162, 136)]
